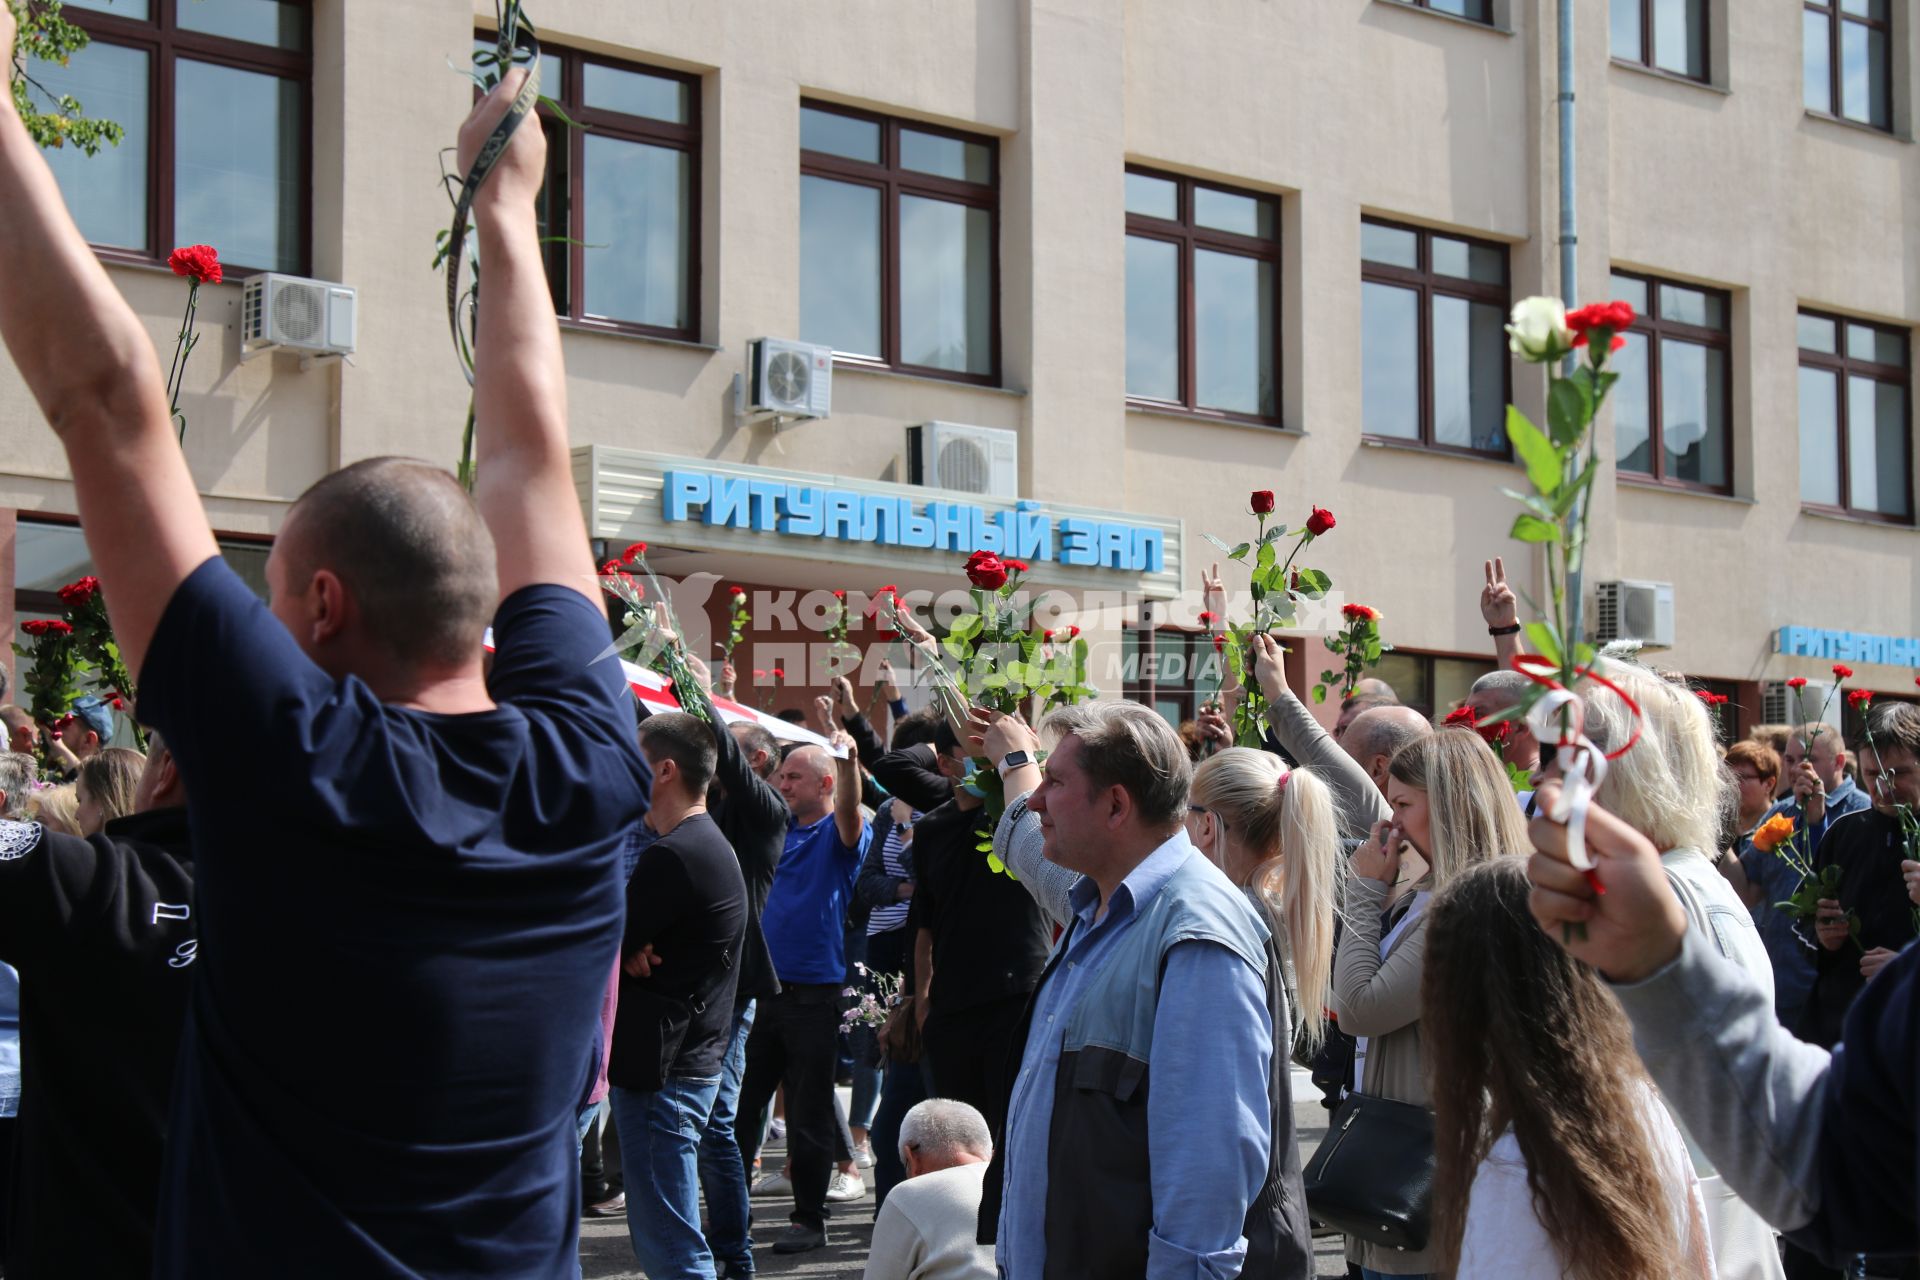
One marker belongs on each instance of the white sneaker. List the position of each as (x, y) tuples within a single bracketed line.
[(844, 1187), (776, 1130), (863, 1156), (775, 1184)]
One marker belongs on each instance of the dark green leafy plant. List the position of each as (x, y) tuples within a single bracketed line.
[(45, 36)]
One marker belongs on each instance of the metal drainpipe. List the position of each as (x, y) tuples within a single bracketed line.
[(1569, 265)]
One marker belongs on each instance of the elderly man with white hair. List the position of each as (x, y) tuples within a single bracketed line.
[(926, 1228)]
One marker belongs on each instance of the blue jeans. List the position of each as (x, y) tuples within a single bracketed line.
[(659, 1142), (723, 1176), (1381, 1275)]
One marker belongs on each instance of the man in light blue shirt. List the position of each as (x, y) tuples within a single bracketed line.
[(1822, 793), (1140, 1130)]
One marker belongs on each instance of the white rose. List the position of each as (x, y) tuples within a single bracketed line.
[(1539, 330)]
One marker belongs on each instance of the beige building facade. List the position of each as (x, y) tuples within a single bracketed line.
[(1329, 137)]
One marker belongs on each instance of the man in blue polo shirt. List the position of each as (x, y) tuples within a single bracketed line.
[(795, 1039)]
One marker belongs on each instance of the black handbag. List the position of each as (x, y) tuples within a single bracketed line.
[(1373, 1174)]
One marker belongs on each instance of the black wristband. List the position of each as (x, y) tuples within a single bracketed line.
[(1511, 629)]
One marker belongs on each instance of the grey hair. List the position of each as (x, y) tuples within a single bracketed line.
[(1130, 746), (16, 781), (1511, 683), (1384, 735), (943, 1127), (6, 681)]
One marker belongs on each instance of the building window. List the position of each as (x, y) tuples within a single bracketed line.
[(1473, 10), (1668, 35), (1171, 671), (1670, 414), (213, 96), (1430, 684), (620, 211), (1855, 447), (1847, 60), (1203, 297), (1433, 349), (898, 227)]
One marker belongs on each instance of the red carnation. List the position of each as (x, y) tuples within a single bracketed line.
[(1018, 566), (1046, 635), (1073, 632), (633, 552), (611, 569), (759, 674), (1860, 699), (986, 570), (200, 261), (1841, 671), (779, 673), (839, 595), (46, 627), (1359, 613), (737, 591), (1711, 698), (1206, 618), (1463, 716), (119, 705), (1219, 643), (889, 590), (79, 593), (1262, 502), (1797, 682), (1320, 521)]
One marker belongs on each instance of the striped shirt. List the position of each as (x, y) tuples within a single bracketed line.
[(893, 858)]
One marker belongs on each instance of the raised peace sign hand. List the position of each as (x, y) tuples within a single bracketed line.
[(1498, 604)]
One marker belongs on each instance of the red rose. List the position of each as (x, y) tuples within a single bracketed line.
[(1262, 502), (201, 261), (1841, 671), (736, 591), (119, 705), (1320, 521), (47, 627), (1463, 716), (986, 571), (1797, 682), (633, 552), (1206, 618), (79, 593), (1860, 699)]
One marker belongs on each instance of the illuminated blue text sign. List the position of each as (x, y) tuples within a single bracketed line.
[(1023, 531), (1849, 646)]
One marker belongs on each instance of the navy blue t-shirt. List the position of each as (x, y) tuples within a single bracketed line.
[(406, 921)]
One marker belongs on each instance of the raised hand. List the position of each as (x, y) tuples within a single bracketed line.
[(1809, 793), (1633, 929), (1269, 667), (823, 715), (1215, 729), (886, 686), (843, 696), (522, 167), (1213, 595), (1498, 604)]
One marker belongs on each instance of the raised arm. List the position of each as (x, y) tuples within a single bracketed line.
[(1501, 608), (90, 365), (847, 821), (523, 470), (1357, 802)]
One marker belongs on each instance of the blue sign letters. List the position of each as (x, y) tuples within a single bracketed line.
[(1848, 646), (805, 511)]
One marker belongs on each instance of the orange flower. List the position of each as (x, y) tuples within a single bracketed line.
[(1773, 832)]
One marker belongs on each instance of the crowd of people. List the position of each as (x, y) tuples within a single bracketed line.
[(346, 975)]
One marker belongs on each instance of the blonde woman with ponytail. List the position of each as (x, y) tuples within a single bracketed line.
[(1274, 834)]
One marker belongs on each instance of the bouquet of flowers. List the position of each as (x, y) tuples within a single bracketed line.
[(1359, 643), (651, 636), (93, 638), (871, 1006), (53, 681), (1278, 590)]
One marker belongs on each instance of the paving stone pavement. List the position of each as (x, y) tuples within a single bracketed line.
[(606, 1254)]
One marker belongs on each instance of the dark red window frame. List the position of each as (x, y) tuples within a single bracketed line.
[(165, 41), (1845, 367), (1187, 236), (565, 251), (893, 182), (1653, 326), (1426, 284)]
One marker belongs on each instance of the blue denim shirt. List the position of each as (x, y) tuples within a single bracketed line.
[(1792, 954), (9, 1042), (1209, 1134)]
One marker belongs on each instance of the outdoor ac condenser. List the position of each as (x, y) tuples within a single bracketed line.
[(948, 455), (791, 379), (1626, 610), (312, 317), (1778, 705)]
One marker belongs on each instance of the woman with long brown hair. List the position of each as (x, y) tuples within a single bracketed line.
[(1552, 1154)]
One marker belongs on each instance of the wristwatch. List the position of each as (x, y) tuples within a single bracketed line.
[(1014, 760), (1511, 629)]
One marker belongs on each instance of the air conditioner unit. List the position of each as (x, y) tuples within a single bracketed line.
[(791, 379), (1640, 611), (947, 455), (287, 312), (1778, 705)]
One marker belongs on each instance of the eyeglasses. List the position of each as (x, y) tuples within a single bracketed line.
[(1747, 777)]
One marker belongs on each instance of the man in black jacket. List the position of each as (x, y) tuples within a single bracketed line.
[(103, 933), (753, 818), (686, 920)]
